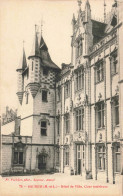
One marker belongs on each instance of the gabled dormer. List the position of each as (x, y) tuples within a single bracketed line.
[(82, 38), (112, 20)]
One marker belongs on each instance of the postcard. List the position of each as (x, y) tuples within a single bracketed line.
[(61, 76)]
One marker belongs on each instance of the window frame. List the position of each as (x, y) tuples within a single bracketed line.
[(79, 47), (116, 113), (27, 98), (80, 119), (67, 89), (58, 125), (18, 150), (117, 163), (99, 71), (58, 157), (114, 63), (58, 94), (67, 156), (67, 123), (43, 128), (45, 71), (79, 79), (32, 66), (101, 158), (100, 114), (43, 100)]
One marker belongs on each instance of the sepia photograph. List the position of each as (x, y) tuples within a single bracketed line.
[(61, 102)]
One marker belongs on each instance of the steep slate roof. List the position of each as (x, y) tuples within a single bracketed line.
[(40, 49), (35, 47), (43, 44), (98, 30), (45, 56)]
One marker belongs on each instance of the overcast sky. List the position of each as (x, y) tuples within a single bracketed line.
[(17, 21)]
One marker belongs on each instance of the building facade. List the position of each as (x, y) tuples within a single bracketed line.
[(70, 118)]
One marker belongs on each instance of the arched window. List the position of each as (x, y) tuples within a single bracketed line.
[(79, 48)]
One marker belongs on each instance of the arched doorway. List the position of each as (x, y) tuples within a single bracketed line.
[(42, 159)]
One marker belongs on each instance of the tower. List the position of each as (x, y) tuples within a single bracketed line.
[(37, 109), (34, 63)]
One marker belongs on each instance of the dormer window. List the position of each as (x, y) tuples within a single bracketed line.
[(114, 21), (100, 70), (79, 48), (45, 71)]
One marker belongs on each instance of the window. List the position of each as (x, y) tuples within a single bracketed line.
[(45, 71), (114, 63), (80, 120), (58, 125), (79, 48), (18, 154), (117, 158), (67, 123), (66, 158), (80, 80), (100, 115), (57, 157), (32, 65), (58, 94), (43, 128), (19, 130), (100, 75), (101, 157), (27, 98), (27, 74), (44, 96), (116, 111), (18, 157), (67, 89)]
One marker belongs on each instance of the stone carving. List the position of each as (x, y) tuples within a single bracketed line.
[(100, 96), (117, 90)]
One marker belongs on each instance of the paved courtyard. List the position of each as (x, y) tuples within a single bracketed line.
[(56, 184)]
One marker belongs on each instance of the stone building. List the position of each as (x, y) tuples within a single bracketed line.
[(70, 118)]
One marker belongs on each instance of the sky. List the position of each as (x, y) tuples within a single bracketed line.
[(17, 23)]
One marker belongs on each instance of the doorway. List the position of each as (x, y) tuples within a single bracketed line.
[(80, 159), (42, 162)]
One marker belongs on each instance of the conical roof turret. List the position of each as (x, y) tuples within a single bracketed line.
[(35, 47), (87, 4)]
